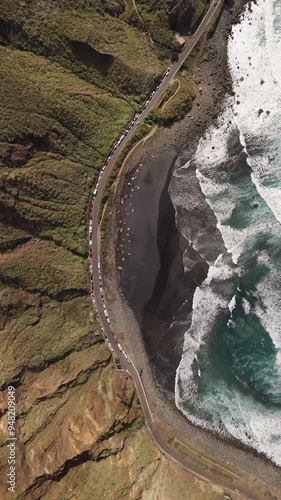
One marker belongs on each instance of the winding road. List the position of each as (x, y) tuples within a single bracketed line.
[(168, 450)]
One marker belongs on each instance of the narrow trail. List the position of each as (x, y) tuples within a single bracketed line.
[(174, 94), (143, 22)]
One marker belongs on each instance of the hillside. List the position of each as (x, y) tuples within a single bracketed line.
[(73, 73), (162, 16), (185, 15)]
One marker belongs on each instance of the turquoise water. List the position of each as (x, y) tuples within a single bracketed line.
[(229, 377)]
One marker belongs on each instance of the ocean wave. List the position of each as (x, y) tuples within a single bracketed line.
[(256, 78), (246, 306), (232, 416), (195, 209), (229, 377), (269, 307)]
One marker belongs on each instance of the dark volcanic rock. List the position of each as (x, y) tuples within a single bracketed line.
[(184, 15)]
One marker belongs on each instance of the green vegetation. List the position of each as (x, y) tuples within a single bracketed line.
[(170, 440), (140, 133), (156, 18), (106, 202), (38, 332), (73, 74), (86, 38), (171, 90), (54, 271), (179, 105)]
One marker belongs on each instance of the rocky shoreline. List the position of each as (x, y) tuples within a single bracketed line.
[(153, 307)]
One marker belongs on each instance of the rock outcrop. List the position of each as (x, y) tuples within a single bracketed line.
[(185, 15)]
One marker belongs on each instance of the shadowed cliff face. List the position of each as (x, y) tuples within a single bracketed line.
[(185, 15)]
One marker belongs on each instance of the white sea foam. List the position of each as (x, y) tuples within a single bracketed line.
[(206, 305), (271, 195), (232, 305), (221, 271), (223, 197), (212, 149), (234, 415), (246, 306), (255, 64), (193, 206), (269, 309), (223, 204), (256, 78)]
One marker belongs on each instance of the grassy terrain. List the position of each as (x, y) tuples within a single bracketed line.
[(73, 73), (164, 17), (107, 199), (85, 38), (156, 18), (179, 105)]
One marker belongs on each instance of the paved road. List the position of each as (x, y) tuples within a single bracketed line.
[(164, 447)]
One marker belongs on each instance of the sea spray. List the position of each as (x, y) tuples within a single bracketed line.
[(229, 377)]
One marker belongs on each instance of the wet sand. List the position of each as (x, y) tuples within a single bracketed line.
[(138, 257)]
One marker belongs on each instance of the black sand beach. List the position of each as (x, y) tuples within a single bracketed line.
[(151, 277), (137, 227)]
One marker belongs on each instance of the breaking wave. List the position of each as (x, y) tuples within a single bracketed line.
[(228, 206)]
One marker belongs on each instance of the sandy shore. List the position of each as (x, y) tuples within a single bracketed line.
[(149, 256)]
